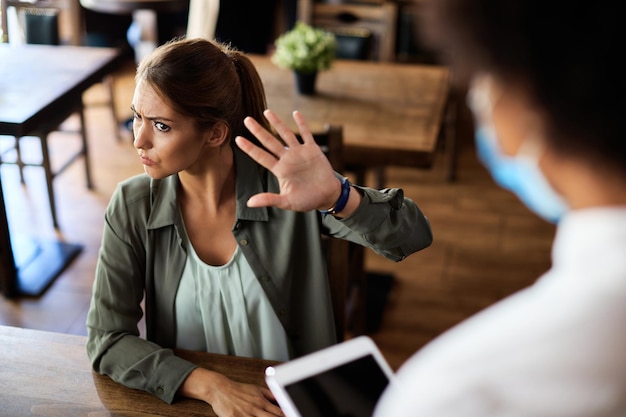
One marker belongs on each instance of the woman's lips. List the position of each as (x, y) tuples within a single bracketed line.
[(146, 161)]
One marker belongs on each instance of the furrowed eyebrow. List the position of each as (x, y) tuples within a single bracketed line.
[(159, 118)]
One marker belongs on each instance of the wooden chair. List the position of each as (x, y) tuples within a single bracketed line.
[(365, 30), (344, 259), (368, 23)]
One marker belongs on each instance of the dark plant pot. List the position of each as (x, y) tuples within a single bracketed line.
[(305, 82)]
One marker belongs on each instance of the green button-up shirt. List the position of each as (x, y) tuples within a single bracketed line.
[(142, 256)]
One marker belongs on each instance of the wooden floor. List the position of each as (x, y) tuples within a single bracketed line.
[(486, 244)]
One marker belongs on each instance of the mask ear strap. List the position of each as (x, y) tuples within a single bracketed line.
[(480, 97), (534, 144), (531, 148)]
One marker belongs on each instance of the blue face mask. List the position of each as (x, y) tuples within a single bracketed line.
[(519, 174)]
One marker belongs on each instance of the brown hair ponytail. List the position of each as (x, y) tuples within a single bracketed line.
[(207, 81), (252, 91)]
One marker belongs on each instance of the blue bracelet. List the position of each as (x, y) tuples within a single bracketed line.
[(343, 199)]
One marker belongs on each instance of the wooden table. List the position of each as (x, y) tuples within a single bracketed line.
[(392, 114), (40, 87), (48, 374)]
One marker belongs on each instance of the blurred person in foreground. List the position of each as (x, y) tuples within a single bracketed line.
[(547, 93)]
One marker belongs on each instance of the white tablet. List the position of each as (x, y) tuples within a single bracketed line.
[(346, 379)]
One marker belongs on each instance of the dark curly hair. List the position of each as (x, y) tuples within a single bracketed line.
[(566, 54)]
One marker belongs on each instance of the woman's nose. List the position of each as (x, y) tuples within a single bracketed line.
[(140, 136)]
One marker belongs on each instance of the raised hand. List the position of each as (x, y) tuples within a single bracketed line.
[(307, 180)]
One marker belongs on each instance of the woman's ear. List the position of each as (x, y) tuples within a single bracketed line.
[(218, 134)]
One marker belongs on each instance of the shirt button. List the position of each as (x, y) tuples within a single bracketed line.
[(160, 391), (243, 242)]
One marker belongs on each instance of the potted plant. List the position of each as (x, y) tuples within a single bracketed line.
[(305, 50)]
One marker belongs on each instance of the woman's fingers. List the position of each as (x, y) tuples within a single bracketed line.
[(305, 132), (289, 137), (266, 200), (283, 130), (272, 408), (266, 138), (261, 156)]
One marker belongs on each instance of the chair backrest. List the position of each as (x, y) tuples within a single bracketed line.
[(41, 26), (364, 30), (42, 20), (343, 258), (330, 140)]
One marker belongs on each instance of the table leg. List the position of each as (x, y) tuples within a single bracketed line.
[(47, 168), (8, 272), (85, 146), (18, 159), (450, 136), (109, 83)]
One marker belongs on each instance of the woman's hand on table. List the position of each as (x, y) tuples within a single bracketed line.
[(306, 178), (229, 398)]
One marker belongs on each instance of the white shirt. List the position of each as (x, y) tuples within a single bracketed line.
[(557, 348)]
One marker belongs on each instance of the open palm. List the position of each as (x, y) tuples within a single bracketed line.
[(306, 178)]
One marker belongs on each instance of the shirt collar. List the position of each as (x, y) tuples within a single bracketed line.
[(251, 179), (590, 235)]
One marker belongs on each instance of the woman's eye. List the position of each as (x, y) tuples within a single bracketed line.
[(161, 126)]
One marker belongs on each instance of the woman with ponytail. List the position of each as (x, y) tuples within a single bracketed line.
[(220, 239)]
